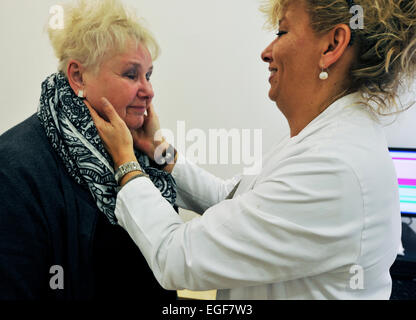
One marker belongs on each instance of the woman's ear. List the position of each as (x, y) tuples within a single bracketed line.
[(336, 42), (75, 72)]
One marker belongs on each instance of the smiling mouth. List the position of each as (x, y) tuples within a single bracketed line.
[(137, 110), (273, 72)]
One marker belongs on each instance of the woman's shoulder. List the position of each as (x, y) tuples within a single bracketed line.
[(25, 145), (28, 164), (23, 134)]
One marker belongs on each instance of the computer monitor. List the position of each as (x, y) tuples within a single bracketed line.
[(405, 162)]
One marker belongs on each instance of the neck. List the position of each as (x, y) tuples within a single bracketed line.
[(304, 111)]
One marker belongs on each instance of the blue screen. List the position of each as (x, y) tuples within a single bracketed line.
[(405, 163)]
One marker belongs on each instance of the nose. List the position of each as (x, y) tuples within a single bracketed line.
[(145, 91), (266, 55)]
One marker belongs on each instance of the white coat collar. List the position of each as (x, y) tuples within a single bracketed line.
[(331, 112)]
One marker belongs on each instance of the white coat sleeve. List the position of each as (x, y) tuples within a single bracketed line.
[(304, 220), (197, 189)]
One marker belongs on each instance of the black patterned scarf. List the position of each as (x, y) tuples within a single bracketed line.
[(73, 135)]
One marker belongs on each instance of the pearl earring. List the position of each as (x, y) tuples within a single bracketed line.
[(323, 75)]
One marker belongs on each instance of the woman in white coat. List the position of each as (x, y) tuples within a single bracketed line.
[(322, 219)]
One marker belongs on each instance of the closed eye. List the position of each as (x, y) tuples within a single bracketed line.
[(280, 33), (131, 75), (134, 74)]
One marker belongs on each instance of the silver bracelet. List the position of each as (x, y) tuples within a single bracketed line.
[(125, 169)]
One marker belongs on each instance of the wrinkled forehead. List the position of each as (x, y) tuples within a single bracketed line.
[(132, 47)]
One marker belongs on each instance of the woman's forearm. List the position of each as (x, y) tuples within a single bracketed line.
[(197, 188)]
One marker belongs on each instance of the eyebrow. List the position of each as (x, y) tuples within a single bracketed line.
[(138, 65)]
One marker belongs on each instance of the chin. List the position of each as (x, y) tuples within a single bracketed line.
[(134, 123), (273, 96)]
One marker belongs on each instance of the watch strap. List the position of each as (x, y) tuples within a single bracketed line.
[(125, 169)]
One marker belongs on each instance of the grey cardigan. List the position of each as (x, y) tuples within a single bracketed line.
[(47, 220)]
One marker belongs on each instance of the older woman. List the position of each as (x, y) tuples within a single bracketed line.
[(59, 237), (321, 220)]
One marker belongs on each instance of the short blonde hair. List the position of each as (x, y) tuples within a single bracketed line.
[(386, 46), (93, 28)]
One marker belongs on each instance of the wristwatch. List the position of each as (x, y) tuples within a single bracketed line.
[(125, 169)]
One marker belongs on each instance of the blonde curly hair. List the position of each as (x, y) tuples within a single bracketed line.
[(386, 53), (94, 28)]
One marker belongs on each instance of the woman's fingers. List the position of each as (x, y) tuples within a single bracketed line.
[(109, 111), (98, 121), (150, 110), (114, 133)]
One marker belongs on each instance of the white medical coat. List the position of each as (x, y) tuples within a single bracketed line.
[(321, 220)]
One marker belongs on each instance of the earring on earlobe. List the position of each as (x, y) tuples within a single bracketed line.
[(81, 94), (323, 75)]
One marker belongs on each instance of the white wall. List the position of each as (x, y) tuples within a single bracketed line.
[(26, 58), (209, 74), (402, 133)]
